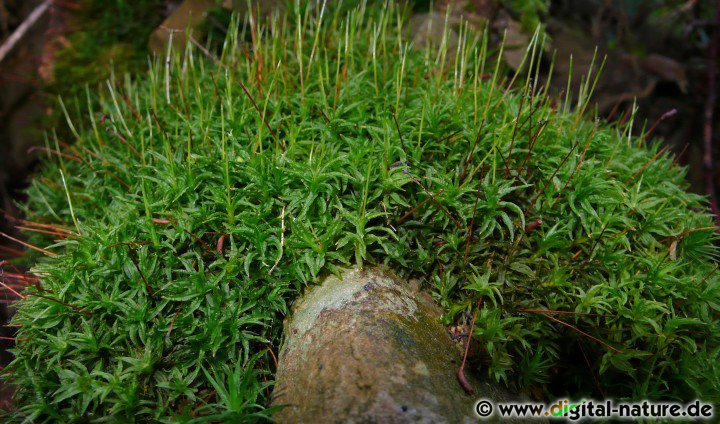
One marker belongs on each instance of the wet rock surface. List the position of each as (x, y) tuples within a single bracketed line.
[(369, 348)]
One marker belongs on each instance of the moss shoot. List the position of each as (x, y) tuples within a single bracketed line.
[(198, 200)]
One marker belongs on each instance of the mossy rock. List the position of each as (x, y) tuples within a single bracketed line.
[(198, 201)]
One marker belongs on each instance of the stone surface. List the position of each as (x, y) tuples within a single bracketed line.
[(369, 348), (190, 15), (187, 17)]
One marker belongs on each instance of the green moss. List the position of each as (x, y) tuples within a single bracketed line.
[(110, 35), (197, 212)]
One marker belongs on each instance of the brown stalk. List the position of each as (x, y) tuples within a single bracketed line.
[(439, 205), (448, 137), (273, 356), (206, 52), (125, 142), (118, 179), (137, 267), (581, 332), (12, 290), (84, 311), (461, 371), (551, 311), (397, 125), (533, 141), (582, 158), (472, 221), (157, 121), (472, 151), (517, 121), (262, 116), (172, 323), (587, 362), (47, 252), (205, 245), (12, 252), (551, 178), (505, 162), (135, 113), (597, 240), (36, 230), (707, 276), (679, 155), (666, 115), (410, 212), (657, 155), (55, 152)]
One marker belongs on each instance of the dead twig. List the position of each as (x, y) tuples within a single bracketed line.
[(24, 27)]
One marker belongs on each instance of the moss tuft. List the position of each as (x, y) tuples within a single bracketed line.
[(199, 201)]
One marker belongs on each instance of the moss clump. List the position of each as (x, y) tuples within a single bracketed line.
[(111, 35), (191, 215)]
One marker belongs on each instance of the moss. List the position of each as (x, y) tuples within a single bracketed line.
[(110, 35), (200, 200)]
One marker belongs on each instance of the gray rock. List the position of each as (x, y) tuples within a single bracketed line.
[(369, 348)]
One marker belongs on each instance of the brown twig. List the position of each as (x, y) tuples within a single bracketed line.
[(21, 30)]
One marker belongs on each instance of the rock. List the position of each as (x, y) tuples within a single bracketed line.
[(188, 16), (430, 27), (369, 348), (516, 41)]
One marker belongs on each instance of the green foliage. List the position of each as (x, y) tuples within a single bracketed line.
[(198, 211)]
